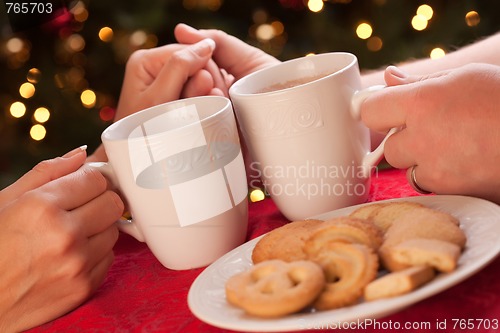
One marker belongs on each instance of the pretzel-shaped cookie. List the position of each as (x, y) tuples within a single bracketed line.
[(276, 288), (348, 269)]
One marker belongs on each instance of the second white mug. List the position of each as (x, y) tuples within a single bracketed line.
[(300, 120)]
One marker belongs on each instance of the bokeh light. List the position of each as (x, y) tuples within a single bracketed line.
[(38, 132), (138, 38), (265, 32), (374, 44), (34, 75), (257, 195), (75, 43), (315, 5), (80, 13), (472, 18), (278, 27), (364, 30), (437, 53), (419, 22), (27, 90), (88, 98), (426, 11), (14, 45), (106, 34), (17, 109), (41, 114), (106, 113)]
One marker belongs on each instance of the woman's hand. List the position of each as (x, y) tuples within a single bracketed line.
[(58, 232), (235, 56), (167, 73), (451, 128)]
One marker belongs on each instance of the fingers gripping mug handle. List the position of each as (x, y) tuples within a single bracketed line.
[(371, 159), (125, 225)]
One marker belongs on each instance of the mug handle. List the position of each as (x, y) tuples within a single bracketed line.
[(371, 159), (125, 225)]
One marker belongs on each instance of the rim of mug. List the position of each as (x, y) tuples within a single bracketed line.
[(169, 106), (233, 90)]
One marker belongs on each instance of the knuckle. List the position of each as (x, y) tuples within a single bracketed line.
[(115, 203), (218, 34), (181, 58), (44, 167), (95, 177), (135, 57), (43, 206)]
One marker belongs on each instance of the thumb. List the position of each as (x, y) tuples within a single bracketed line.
[(183, 64)]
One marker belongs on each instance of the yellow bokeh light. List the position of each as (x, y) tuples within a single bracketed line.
[(419, 22), (310, 54), (315, 5), (257, 195), (437, 53), (106, 34), (38, 132), (364, 30), (34, 75), (41, 114), (88, 98), (27, 90), (472, 18), (17, 109), (426, 11)]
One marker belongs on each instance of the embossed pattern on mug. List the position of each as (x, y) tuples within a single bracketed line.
[(283, 122), (201, 166)]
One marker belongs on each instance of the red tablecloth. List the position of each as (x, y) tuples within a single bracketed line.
[(140, 295)]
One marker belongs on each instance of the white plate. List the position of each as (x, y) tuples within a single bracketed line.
[(479, 219)]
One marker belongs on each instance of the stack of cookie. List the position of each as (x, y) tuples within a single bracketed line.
[(380, 250)]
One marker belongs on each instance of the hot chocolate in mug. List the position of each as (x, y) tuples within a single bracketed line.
[(180, 169), (300, 120)]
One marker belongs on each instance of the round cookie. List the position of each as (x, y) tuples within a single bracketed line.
[(390, 212), (425, 223), (285, 243)]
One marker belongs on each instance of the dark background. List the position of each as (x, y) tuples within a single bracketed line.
[(72, 58)]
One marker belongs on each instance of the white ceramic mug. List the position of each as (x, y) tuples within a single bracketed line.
[(307, 142), (180, 169)]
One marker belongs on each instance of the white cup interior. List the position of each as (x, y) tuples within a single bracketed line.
[(316, 66), (167, 117)]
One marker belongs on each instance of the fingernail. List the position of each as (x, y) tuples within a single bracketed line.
[(395, 71), (75, 151), (202, 49), (210, 42)]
